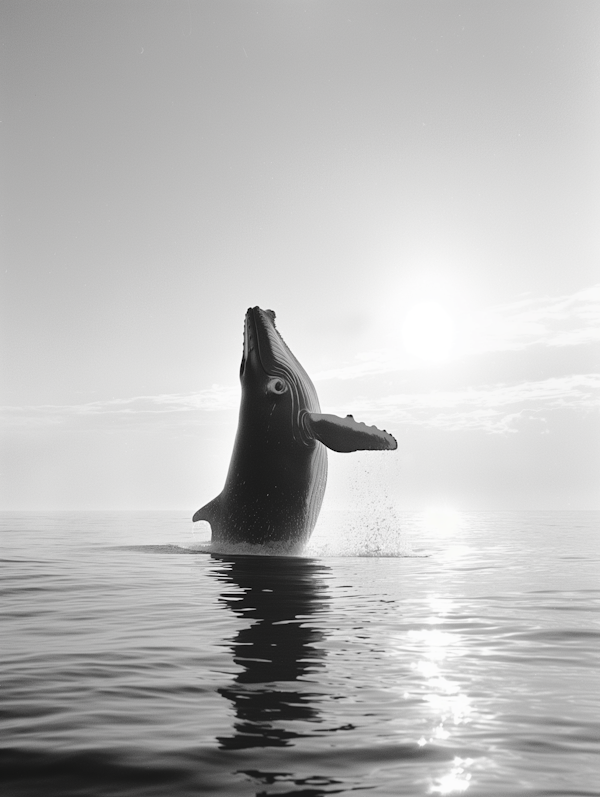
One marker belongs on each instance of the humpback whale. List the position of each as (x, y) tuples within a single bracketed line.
[(278, 470)]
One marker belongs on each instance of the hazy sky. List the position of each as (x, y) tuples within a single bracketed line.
[(413, 187)]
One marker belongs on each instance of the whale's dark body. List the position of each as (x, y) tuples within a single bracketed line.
[(278, 471)]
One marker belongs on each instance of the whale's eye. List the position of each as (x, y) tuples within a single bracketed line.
[(276, 385)]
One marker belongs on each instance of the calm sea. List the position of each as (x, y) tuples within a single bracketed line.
[(406, 655)]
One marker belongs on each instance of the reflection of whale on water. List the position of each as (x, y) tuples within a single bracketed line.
[(279, 596), (276, 479)]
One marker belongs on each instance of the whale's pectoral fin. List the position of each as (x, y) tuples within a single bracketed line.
[(209, 512), (346, 434)]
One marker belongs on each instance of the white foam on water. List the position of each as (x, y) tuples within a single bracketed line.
[(371, 532)]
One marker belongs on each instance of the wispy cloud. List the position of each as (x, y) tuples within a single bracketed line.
[(548, 321), (488, 408), (212, 399), (571, 320)]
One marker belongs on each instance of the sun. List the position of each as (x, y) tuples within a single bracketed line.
[(428, 332)]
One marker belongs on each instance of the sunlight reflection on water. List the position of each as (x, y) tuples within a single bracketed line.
[(456, 781), (448, 704)]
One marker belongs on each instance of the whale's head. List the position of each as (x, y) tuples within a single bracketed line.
[(276, 389)]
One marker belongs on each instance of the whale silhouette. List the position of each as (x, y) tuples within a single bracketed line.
[(278, 471)]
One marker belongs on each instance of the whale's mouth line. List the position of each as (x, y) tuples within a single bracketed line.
[(251, 343)]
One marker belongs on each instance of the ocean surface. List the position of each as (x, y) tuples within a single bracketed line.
[(413, 654)]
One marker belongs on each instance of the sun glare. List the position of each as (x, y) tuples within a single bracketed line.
[(441, 521), (428, 332)]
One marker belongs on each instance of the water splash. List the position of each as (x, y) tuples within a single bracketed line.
[(359, 533), (370, 532)]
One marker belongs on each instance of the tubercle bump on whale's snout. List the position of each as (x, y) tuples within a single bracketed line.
[(249, 339)]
